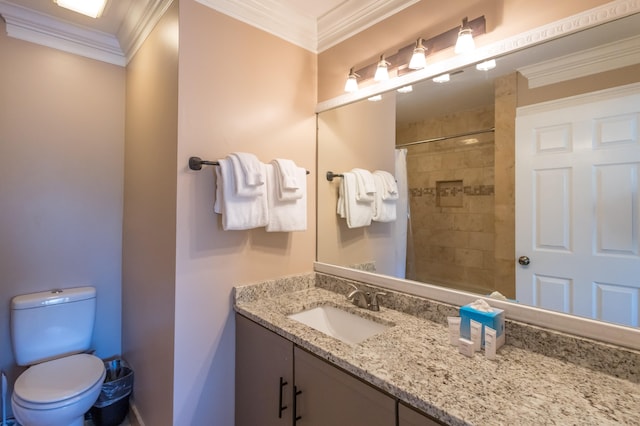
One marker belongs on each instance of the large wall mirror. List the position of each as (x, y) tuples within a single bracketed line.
[(464, 220)]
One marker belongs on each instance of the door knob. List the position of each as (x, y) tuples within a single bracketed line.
[(524, 260)]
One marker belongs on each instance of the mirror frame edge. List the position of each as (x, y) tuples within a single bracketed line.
[(580, 326), (590, 18), (615, 334)]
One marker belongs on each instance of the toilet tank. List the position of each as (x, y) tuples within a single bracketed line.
[(52, 324)]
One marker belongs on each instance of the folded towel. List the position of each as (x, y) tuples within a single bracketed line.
[(341, 209), (365, 186), (218, 202), (239, 212), (357, 213), (383, 210), (286, 215), (389, 185), (287, 170), (249, 174), (287, 183)]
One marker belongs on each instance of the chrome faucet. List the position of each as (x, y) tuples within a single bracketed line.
[(365, 299)]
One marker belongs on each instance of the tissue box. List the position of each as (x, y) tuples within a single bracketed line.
[(494, 319)]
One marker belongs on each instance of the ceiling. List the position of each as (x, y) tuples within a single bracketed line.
[(116, 35)]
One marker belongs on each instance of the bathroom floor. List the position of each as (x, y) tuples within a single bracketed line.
[(124, 423)]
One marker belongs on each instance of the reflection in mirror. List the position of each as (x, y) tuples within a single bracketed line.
[(459, 139)]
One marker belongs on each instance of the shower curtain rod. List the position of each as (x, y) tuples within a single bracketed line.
[(443, 138)]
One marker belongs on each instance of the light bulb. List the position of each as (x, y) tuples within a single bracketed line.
[(418, 59), (382, 72), (352, 82), (486, 65), (465, 43), (442, 78)]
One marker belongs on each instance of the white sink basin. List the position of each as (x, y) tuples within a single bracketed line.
[(342, 325)]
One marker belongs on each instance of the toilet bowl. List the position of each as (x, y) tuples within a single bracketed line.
[(58, 392)]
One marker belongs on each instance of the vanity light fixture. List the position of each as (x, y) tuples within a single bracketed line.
[(406, 89), (412, 57), (444, 78), (375, 98), (382, 72), (486, 65), (91, 8), (418, 59), (465, 43), (352, 82)]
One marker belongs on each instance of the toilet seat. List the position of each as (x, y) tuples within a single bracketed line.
[(58, 382)]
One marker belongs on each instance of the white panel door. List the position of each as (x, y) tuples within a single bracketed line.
[(577, 205)]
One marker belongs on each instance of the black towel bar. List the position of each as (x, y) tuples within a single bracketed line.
[(331, 175), (195, 163)]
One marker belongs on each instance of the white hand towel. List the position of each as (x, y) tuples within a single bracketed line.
[(238, 212), (358, 213), (383, 210), (341, 209), (287, 183), (365, 186), (249, 174), (286, 215), (219, 201), (389, 185)]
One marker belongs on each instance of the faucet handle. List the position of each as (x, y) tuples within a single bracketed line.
[(373, 305)]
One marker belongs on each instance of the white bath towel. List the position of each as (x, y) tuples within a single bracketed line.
[(286, 215), (357, 213), (383, 210), (287, 181), (218, 202), (248, 173), (238, 212), (389, 189), (365, 186)]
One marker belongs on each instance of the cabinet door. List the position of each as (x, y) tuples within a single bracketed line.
[(329, 396), (407, 416), (264, 376)]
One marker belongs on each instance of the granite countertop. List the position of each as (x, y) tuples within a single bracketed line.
[(413, 361)]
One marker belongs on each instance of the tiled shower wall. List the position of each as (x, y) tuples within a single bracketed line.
[(451, 190)]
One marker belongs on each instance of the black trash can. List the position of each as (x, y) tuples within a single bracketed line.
[(112, 405)]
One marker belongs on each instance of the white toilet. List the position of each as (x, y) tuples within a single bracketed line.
[(49, 332)]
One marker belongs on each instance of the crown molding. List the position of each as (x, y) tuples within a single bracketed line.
[(34, 27), (353, 17), (581, 64), (270, 16), (345, 20), (138, 23), (577, 100)]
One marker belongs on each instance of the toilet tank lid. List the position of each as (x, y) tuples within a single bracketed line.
[(52, 297)]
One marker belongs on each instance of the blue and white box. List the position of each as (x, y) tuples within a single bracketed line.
[(493, 319)]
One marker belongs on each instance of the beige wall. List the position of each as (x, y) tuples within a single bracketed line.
[(429, 18), (357, 135), (149, 241), (61, 166), (240, 89)]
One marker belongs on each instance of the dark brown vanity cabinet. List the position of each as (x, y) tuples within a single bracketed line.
[(264, 376), (407, 416), (320, 395)]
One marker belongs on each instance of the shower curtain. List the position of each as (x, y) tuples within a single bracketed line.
[(403, 241)]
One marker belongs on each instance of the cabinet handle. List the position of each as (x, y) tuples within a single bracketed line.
[(296, 392), (281, 408)]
